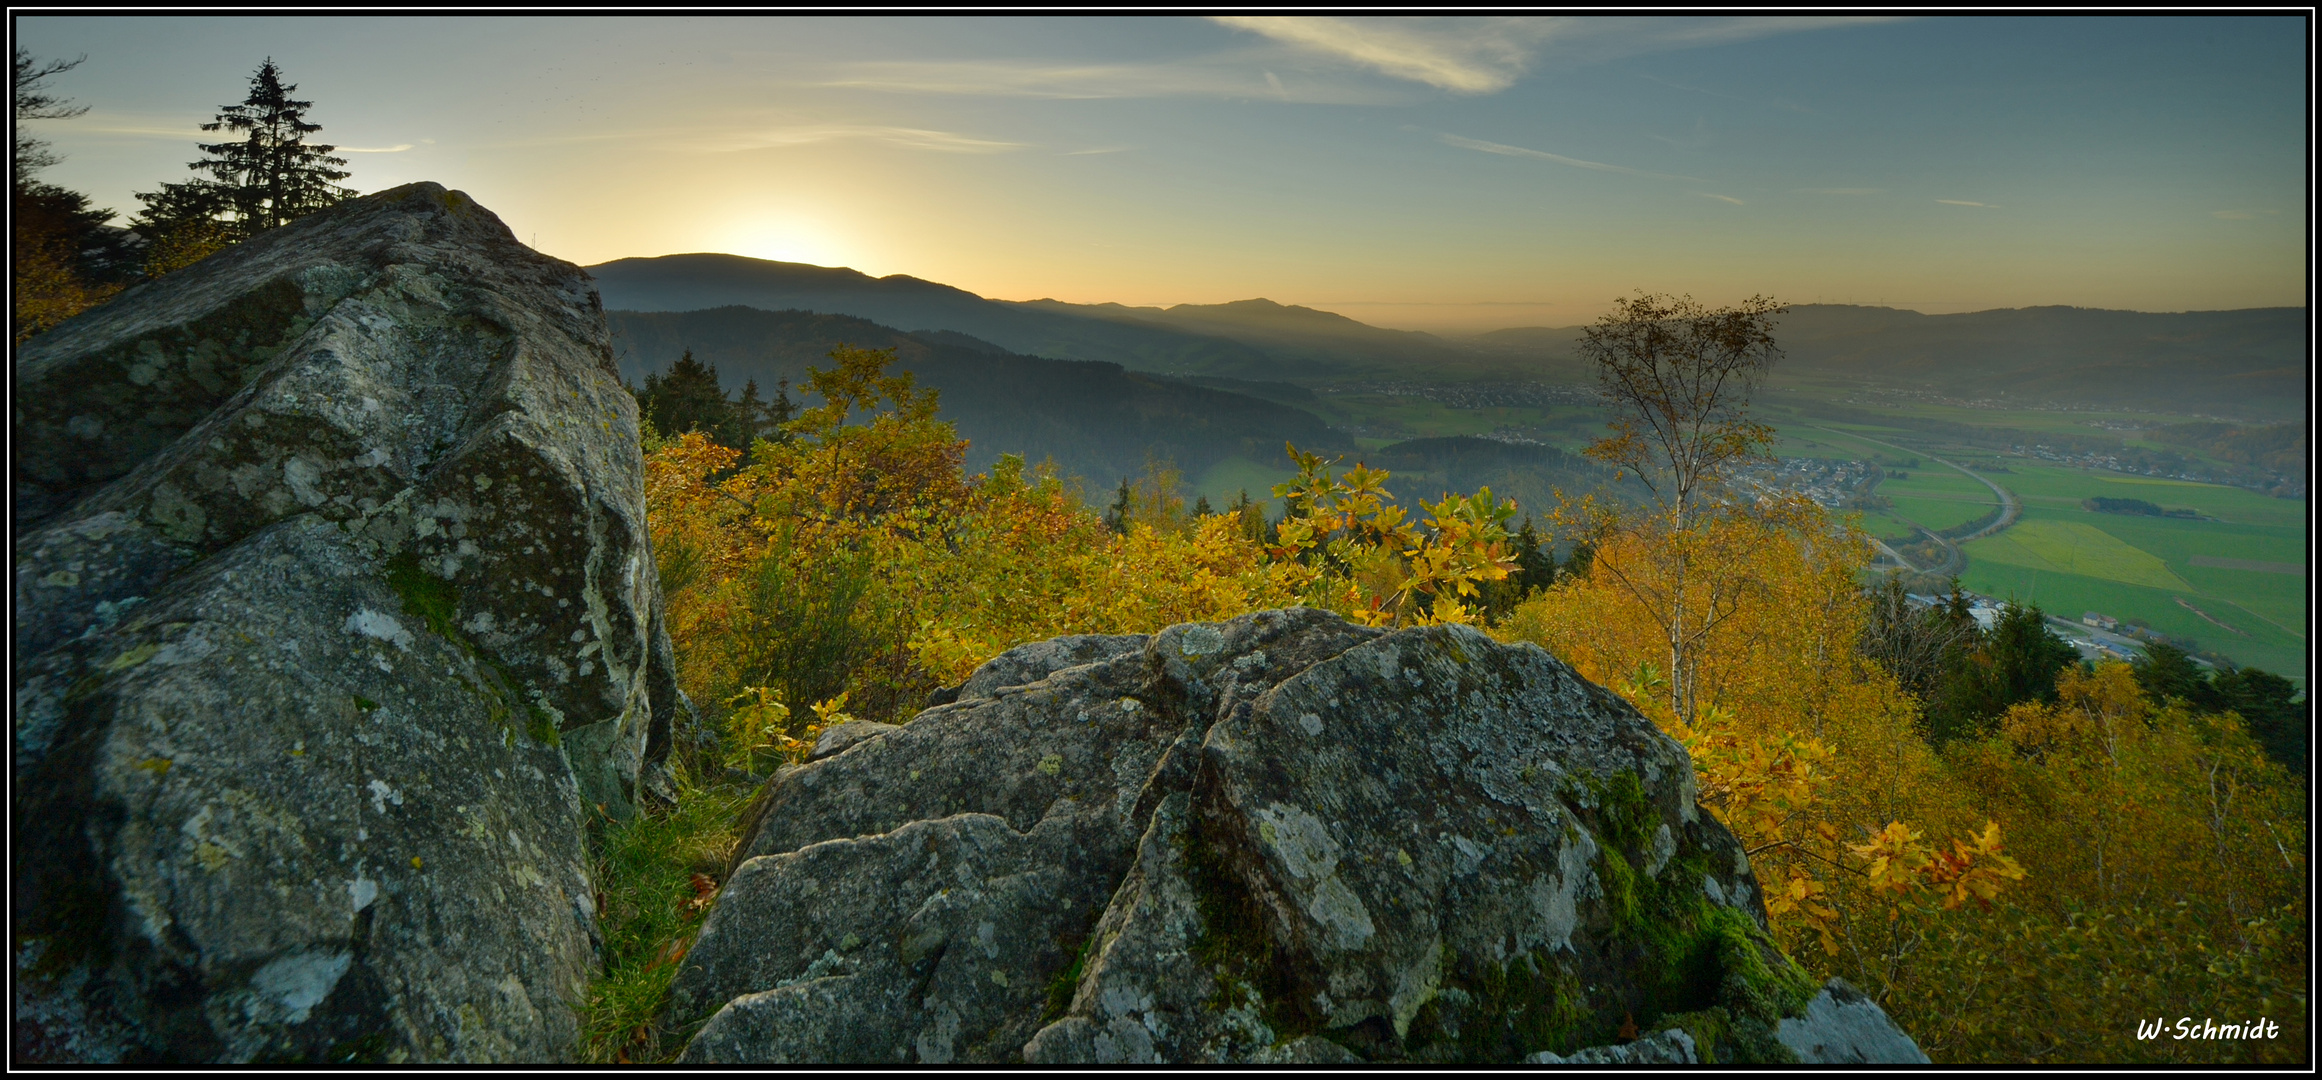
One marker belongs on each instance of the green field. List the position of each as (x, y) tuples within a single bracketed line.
[(1228, 478), (2074, 547), (1815, 442), (1941, 512), (1888, 527), (2061, 488), (2071, 560)]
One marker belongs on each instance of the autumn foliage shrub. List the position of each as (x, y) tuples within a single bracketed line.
[(2025, 896)]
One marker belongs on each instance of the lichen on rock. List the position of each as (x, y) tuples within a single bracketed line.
[(1308, 841), (325, 546)]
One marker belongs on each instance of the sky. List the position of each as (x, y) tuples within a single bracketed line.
[(1456, 175)]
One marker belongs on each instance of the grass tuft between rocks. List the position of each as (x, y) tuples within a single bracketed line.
[(656, 874)]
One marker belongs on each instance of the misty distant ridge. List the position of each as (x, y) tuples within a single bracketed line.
[(2249, 362), (1863, 318)]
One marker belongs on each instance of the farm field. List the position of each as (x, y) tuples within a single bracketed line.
[(1944, 510), (1886, 527), (1816, 442), (2071, 547), (2071, 560), (2258, 643), (1226, 479), (2060, 487)]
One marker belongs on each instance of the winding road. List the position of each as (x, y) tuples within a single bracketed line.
[(1956, 561)]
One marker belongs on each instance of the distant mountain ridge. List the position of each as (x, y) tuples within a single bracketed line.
[(1248, 339), (1290, 329), (702, 281), (2249, 363)]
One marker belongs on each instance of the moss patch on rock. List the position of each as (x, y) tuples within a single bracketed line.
[(1500, 1012), (427, 597), (436, 602), (1237, 944), (1670, 957)]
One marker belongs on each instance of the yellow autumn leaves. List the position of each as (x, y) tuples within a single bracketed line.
[(856, 564)]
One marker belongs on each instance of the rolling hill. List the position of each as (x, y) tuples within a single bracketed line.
[(1098, 420), (698, 282), (1247, 339)]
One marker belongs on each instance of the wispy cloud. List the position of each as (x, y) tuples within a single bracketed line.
[(901, 137), (1233, 74), (1721, 198), (1505, 150), (1964, 202), (1836, 191), (1473, 58), (1487, 55), (135, 128), (146, 129), (1292, 61)]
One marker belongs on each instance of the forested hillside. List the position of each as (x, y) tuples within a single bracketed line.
[(1098, 421)]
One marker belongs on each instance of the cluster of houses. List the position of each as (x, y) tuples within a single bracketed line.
[(1829, 483), (1986, 612)]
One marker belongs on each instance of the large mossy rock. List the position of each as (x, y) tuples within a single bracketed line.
[(1283, 838), (335, 621)]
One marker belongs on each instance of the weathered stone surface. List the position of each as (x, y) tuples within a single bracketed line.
[(841, 736), (1671, 1047), (1282, 838), (1844, 1027), (1031, 663), (335, 617)]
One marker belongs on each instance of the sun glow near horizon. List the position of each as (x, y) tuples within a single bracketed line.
[(795, 237), (1454, 174)]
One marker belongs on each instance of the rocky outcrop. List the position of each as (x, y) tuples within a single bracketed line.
[(1283, 838), (335, 619)]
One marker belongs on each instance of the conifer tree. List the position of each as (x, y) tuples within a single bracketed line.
[(687, 398), (1535, 564), (32, 103), (273, 176), (1117, 516), (64, 258)]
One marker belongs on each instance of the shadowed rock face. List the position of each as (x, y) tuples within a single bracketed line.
[(334, 619), (1283, 838)]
